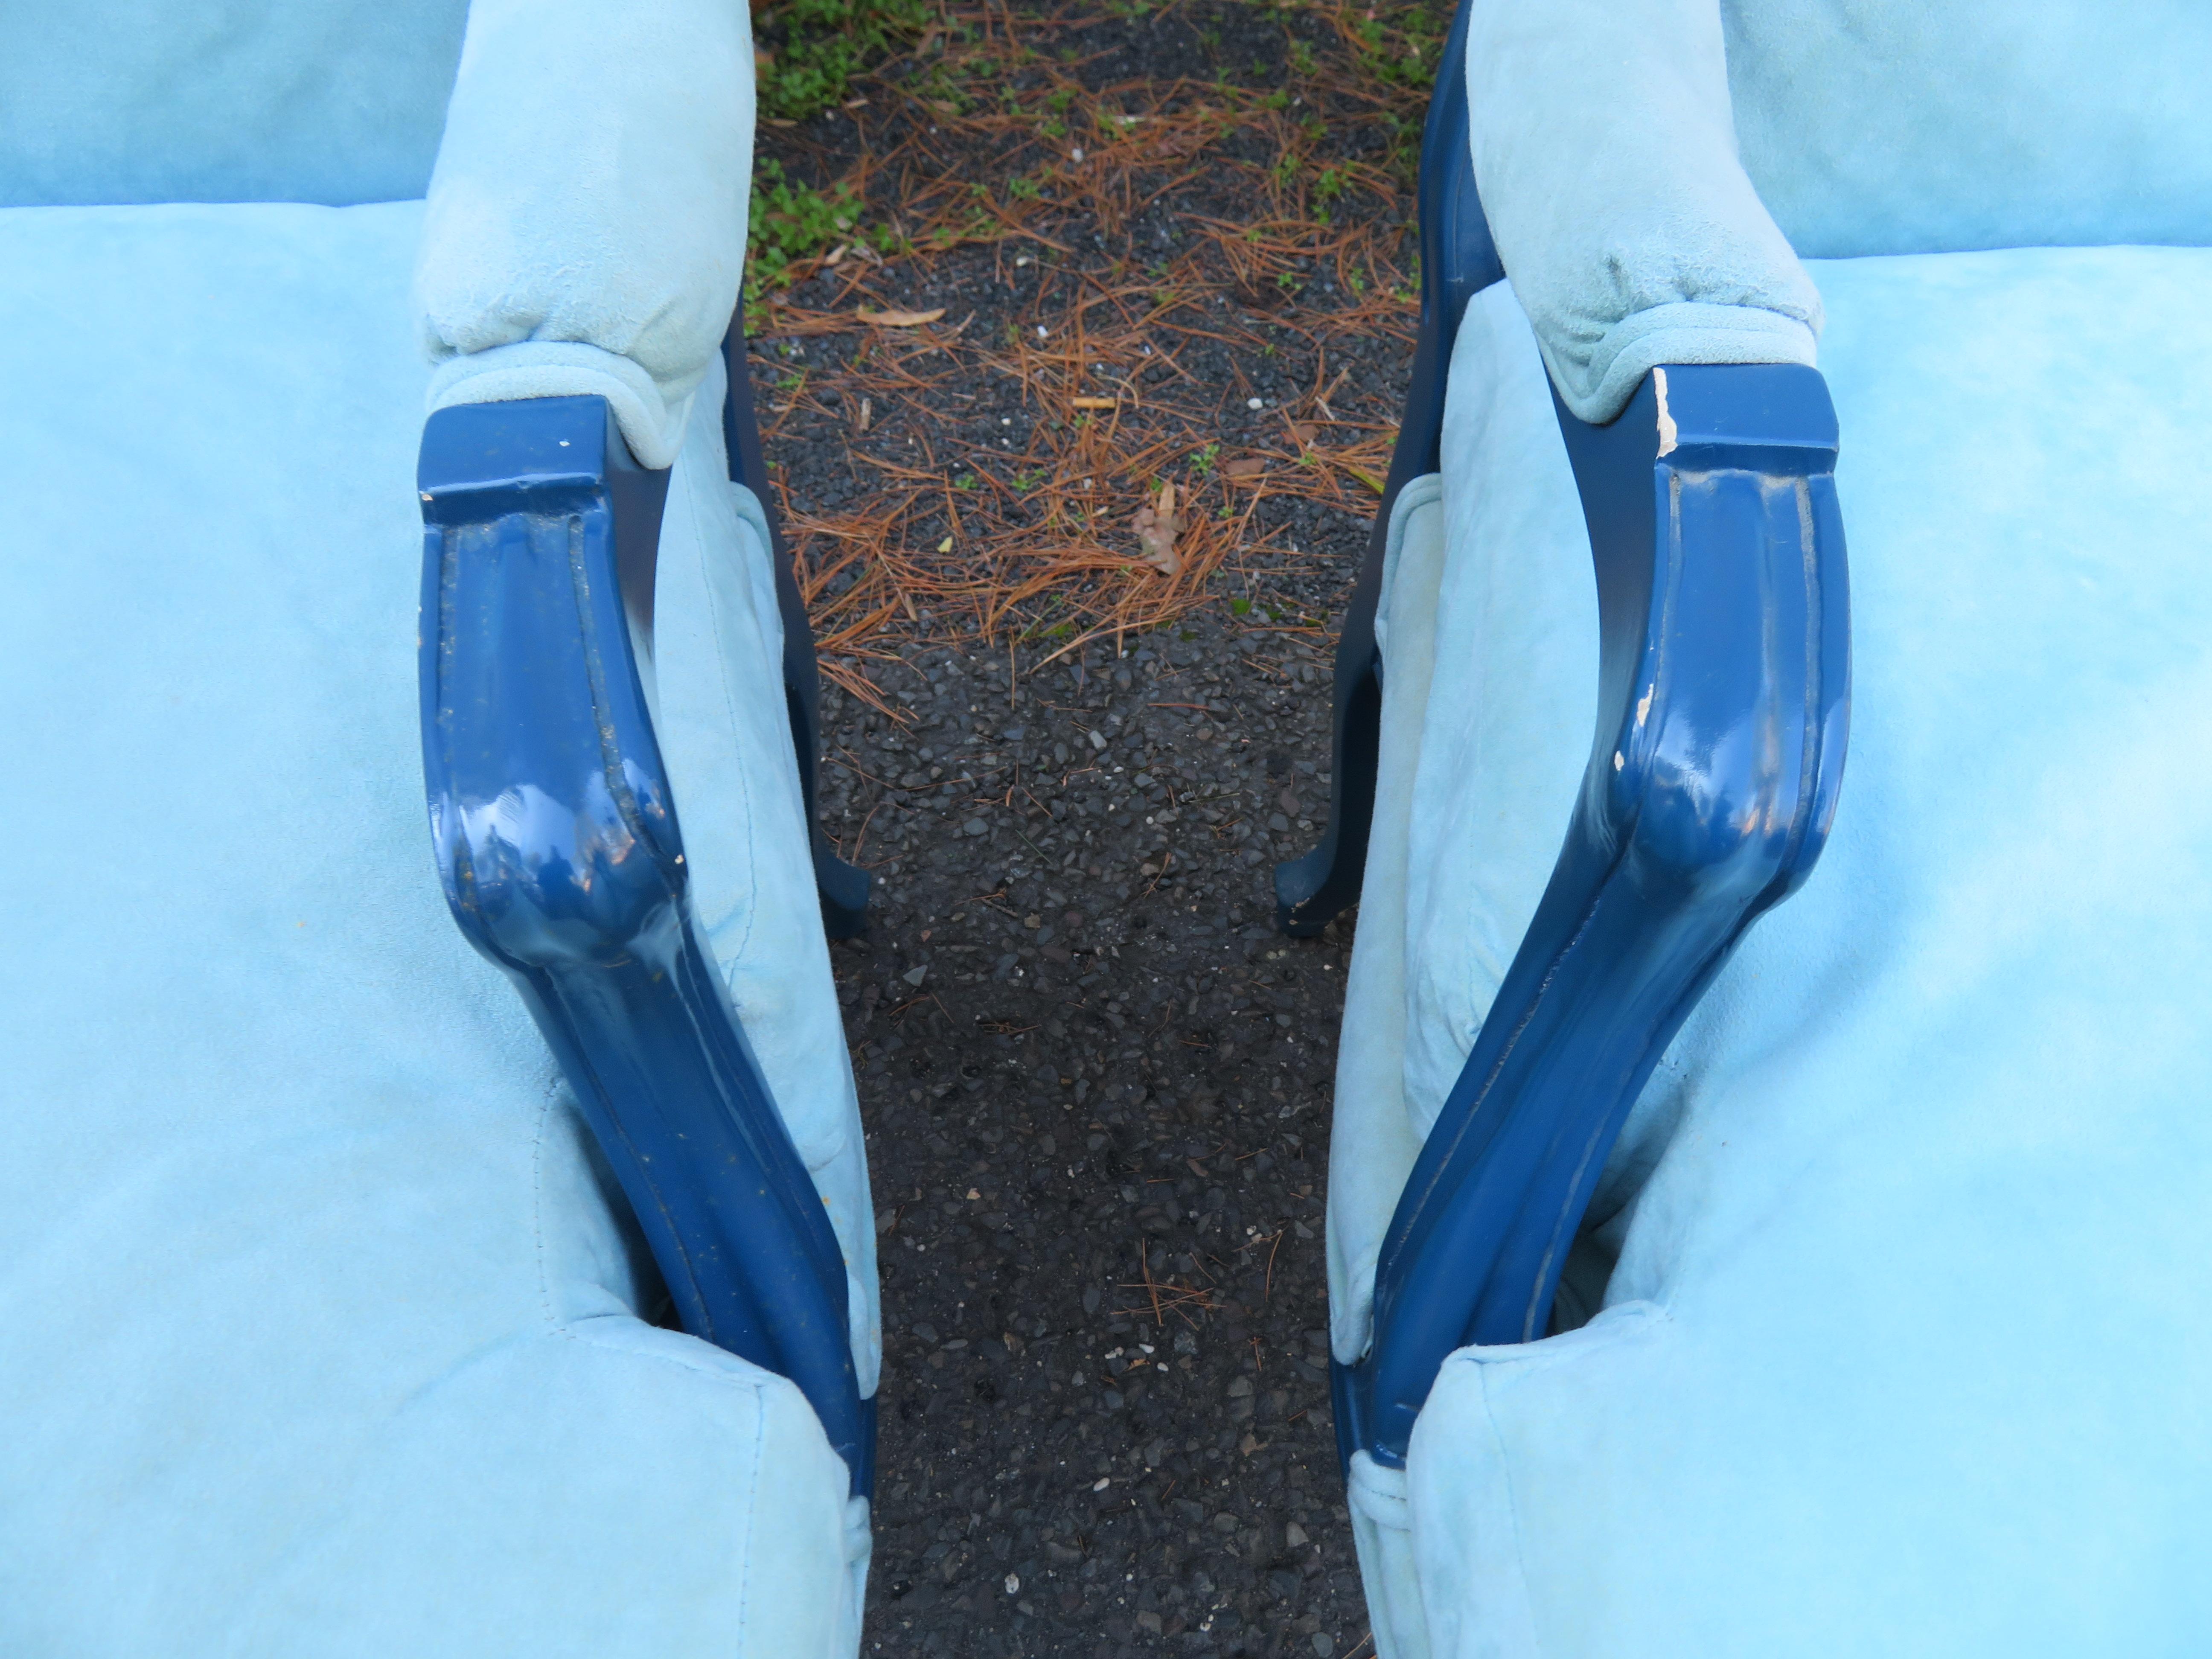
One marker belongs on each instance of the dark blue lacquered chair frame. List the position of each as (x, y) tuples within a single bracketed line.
[(562, 859), (1723, 709), (1458, 261)]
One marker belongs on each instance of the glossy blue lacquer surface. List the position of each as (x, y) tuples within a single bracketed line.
[(1725, 669), (558, 843), (1458, 261), (1724, 702)]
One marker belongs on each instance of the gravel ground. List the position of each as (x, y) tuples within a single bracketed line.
[(1096, 1079), (1088, 1061)]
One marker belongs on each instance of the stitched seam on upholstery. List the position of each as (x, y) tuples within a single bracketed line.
[(730, 714), (750, 1510), (1458, 1000), (538, 1210), (576, 1333), (752, 1513), (1418, 493), (1512, 1508)]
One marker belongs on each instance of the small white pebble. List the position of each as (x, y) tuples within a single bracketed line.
[(1013, 1583), (1079, 152), (1101, 1483), (1254, 402), (1041, 330)]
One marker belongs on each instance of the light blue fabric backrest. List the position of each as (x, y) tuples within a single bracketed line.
[(1931, 126), (338, 101)]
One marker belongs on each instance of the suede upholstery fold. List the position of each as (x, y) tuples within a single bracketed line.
[(1605, 151), (585, 231)]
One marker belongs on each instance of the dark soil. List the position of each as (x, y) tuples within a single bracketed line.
[(1096, 1095), (1096, 1079)]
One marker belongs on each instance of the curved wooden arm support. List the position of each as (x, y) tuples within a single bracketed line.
[(1458, 261), (1723, 612), (557, 842)]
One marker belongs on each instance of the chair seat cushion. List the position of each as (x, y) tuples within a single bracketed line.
[(1902, 1347), (322, 1323)]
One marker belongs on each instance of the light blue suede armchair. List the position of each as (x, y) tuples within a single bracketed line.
[(343, 1297), (1711, 1275)]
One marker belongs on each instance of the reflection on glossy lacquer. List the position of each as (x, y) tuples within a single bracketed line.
[(562, 861), (1724, 705)]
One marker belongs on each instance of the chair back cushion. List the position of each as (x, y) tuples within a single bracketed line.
[(224, 100), (1903, 126)]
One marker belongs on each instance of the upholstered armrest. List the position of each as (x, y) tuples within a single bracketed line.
[(585, 228), (557, 839), (1603, 138)]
